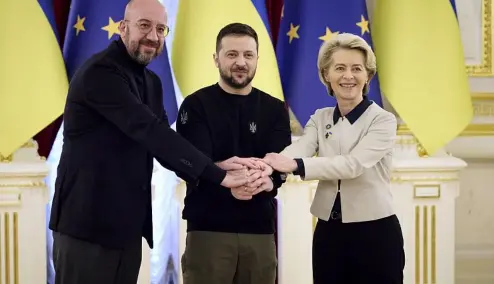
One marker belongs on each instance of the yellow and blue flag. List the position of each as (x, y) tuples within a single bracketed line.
[(305, 25), (198, 23), (92, 25), (422, 68), (262, 10), (33, 82)]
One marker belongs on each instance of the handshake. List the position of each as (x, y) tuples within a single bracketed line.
[(247, 177)]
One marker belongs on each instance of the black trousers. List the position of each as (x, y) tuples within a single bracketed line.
[(358, 253), (80, 262)]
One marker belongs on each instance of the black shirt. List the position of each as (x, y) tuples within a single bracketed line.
[(224, 125)]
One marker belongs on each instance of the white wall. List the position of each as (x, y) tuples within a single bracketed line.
[(475, 224)]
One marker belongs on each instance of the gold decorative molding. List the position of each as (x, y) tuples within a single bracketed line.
[(483, 104), (421, 151), (34, 175), (486, 129), (402, 140), (428, 171), (433, 245), (7, 159), (417, 245), (425, 245), (6, 248), (485, 68), (34, 184), (479, 97), (11, 197), (428, 245), (29, 144), (420, 191), (10, 247), (401, 179)]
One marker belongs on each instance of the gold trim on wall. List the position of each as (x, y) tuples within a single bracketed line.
[(417, 244), (11, 175), (433, 245), (471, 130), (418, 186), (399, 179), (15, 198), (483, 104), (10, 248), (485, 67), (479, 97), (7, 246), (40, 184), (425, 246), (5, 159)]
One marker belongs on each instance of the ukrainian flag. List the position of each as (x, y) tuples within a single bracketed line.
[(33, 82), (421, 68), (198, 23)]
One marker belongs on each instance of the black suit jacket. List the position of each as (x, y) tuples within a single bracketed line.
[(114, 124)]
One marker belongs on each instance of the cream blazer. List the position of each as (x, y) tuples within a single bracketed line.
[(358, 154)]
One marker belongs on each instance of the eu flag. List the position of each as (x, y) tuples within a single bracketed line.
[(305, 25), (92, 25)]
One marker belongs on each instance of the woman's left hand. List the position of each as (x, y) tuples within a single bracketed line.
[(280, 163)]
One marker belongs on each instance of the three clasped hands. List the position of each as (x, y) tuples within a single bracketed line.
[(256, 173)]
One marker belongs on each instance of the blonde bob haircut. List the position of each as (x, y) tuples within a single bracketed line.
[(345, 41)]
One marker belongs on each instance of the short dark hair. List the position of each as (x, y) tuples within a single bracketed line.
[(237, 29)]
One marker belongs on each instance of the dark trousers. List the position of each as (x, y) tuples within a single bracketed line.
[(358, 253), (80, 262), (229, 258)]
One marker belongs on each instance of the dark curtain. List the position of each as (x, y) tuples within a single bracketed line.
[(274, 8), (46, 137)]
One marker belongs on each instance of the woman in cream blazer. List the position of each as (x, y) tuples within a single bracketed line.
[(348, 149)]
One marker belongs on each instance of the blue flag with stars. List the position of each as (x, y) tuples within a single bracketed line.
[(92, 25), (305, 25)]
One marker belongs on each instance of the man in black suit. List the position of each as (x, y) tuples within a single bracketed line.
[(115, 125)]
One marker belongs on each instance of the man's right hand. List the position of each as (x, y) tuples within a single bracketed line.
[(236, 163), (235, 178), (241, 193)]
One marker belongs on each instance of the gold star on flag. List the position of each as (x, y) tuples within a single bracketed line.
[(328, 35), (79, 25), (111, 28), (363, 24), (292, 33)]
